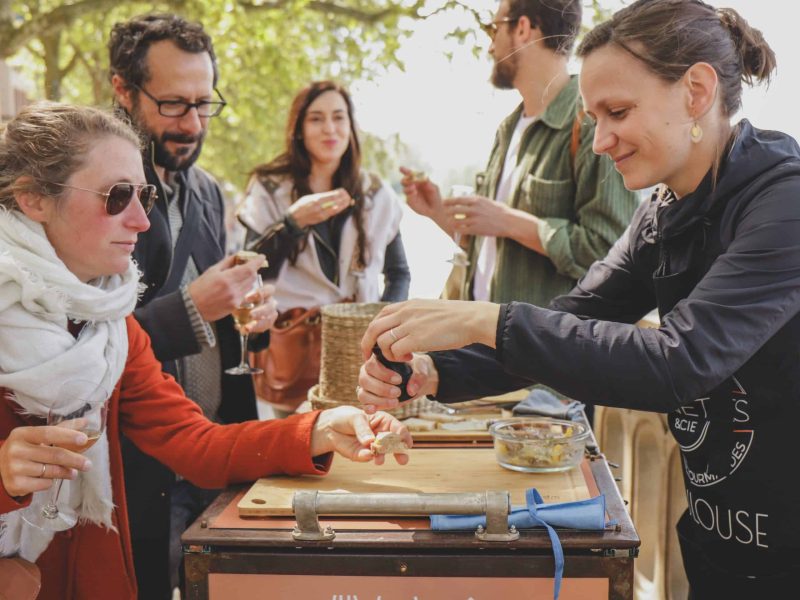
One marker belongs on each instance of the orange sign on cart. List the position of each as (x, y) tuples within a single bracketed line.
[(228, 586)]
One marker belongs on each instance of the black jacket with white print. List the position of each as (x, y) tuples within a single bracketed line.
[(722, 265)]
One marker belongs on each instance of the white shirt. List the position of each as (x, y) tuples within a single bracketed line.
[(484, 268)]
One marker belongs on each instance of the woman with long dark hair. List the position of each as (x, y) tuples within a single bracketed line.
[(328, 227), (716, 250)]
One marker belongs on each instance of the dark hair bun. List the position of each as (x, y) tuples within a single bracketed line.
[(757, 58)]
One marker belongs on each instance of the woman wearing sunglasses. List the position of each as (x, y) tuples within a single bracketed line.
[(329, 228), (120, 195), (716, 250), (73, 202)]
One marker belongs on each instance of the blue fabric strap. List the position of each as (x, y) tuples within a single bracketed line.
[(584, 514), (532, 497)]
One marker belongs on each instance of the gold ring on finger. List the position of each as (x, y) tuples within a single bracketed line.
[(328, 204), (393, 334), (459, 216), (44, 468)]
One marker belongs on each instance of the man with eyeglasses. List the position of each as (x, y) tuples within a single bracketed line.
[(164, 74), (546, 206)]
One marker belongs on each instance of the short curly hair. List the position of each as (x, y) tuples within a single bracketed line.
[(131, 40)]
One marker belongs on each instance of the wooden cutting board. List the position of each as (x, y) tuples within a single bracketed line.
[(444, 435), (431, 470), (507, 398)]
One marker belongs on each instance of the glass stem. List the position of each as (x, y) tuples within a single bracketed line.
[(51, 508), (243, 340)]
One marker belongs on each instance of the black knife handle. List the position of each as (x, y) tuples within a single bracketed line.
[(401, 368)]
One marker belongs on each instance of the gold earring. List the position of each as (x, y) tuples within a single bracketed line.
[(696, 133)]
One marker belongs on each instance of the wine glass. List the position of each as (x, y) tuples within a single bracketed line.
[(241, 317), (459, 256), (89, 418)]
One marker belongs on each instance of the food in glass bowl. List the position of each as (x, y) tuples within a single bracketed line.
[(538, 444)]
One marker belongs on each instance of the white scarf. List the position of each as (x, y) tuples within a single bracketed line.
[(39, 358)]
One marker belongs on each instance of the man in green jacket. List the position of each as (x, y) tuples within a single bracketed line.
[(546, 207)]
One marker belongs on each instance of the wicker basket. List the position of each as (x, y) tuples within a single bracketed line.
[(408, 409), (343, 326)]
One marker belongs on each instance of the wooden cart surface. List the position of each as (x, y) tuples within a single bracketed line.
[(228, 558)]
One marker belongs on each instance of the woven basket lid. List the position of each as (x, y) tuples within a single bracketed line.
[(343, 326), (411, 408)]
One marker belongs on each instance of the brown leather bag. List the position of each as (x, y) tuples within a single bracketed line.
[(291, 362), (19, 579)]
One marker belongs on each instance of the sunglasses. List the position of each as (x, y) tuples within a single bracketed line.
[(491, 28), (120, 195)]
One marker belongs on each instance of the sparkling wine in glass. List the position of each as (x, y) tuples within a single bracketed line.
[(459, 256), (89, 418), (242, 316)]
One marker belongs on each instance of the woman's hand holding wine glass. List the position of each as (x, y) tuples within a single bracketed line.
[(89, 420), (32, 457)]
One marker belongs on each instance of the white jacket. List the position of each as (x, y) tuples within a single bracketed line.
[(304, 284)]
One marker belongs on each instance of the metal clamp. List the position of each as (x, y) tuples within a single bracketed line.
[(309, 504)]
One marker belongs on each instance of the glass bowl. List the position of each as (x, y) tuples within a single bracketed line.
[(538, 444)]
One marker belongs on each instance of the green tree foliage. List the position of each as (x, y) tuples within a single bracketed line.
[(267, 50)]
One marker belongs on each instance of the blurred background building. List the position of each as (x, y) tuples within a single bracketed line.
[(13, 92)]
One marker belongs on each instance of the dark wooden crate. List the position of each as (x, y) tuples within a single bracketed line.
[(605, 554)]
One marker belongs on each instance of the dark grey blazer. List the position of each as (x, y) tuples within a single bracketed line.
[(162, 314)]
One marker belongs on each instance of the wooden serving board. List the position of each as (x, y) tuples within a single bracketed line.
[(442, 435), (431, 470), (470, 435), (507, 398)]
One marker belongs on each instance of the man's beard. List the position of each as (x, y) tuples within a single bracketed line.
[(504, 72), (162, 157), (182, 160)]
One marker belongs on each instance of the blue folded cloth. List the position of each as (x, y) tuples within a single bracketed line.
[(544, 403), (582, 514)]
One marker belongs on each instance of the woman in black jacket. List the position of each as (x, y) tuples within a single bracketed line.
[(716, 250)]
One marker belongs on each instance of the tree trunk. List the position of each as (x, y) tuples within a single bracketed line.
[(51, 42)]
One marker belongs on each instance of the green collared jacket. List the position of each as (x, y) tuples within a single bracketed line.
[(583, 207)]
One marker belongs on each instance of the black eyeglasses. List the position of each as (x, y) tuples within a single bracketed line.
[(179, 108), (491, 28), (120, 195)]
